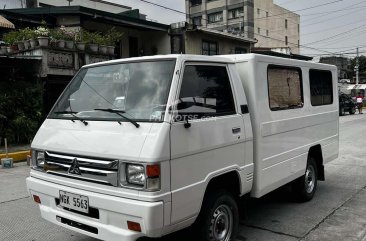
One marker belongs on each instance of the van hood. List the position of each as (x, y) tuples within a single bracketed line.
[(105, 139)]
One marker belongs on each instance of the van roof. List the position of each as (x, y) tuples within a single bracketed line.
[(234, 58)]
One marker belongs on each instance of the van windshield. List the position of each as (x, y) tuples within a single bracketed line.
[(139, 90)]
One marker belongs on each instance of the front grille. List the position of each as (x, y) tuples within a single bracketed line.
[(101, 171), (93, 212), (78, 225)]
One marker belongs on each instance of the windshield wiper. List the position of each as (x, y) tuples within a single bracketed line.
[(120, 113), (73, 113)]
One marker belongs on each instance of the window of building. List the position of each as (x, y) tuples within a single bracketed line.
[(286, 23), (205, 91), (209, 48), (240, 50), (196, 2), (267, 33), (235, 13), (267, 14), (215, 17), (284, 88), (321, 87), (258, 11), (286, 40), (197, 21), (259, 30)]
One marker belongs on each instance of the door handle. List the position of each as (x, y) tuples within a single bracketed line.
[(236, 130)]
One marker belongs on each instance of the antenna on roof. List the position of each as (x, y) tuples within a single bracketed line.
[(69, 2)]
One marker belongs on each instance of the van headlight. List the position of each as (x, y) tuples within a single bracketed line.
[(135, 174), (38, 159), (144, 177)]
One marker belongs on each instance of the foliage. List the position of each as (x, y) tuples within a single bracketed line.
[(91, 37), (67, 34), (27, 33), (113, 36), (108, 38), (361, 63), (42, 32), (62, 33), (11, 37), (21, 104)]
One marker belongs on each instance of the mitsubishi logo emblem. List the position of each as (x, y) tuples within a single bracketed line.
[(74, 168)]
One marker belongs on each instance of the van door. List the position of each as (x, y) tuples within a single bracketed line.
[(206, 135)]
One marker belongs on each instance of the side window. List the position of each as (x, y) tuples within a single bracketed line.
[(284, 88), (321, 87), (205, 92)]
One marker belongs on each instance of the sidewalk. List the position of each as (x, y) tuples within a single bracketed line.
[(17, 152)]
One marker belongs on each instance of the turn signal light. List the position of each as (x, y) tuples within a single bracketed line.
[(134, 226), (153, 170), (36, 199)]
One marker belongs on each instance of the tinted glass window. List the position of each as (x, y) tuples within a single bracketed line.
[(284, 88), (321, 87), (205, 91)]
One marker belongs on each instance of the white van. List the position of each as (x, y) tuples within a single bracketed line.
[(190, 135)]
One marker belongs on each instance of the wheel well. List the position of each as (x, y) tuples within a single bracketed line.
[(316, 153), (229, 181)]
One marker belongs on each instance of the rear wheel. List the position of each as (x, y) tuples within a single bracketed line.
[(219, 218), (304, 188)]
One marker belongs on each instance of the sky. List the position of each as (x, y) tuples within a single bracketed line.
[(327, 27)]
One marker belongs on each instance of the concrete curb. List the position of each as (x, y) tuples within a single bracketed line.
[(17, 156)]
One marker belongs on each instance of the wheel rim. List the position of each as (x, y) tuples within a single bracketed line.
[(310, 179), (221, 224)]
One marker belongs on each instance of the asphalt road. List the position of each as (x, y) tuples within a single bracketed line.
[(337, 212)]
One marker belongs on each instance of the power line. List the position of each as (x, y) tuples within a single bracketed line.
[(336, 35), (326, 20)]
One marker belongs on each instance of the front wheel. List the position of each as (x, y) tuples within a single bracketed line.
[(219, 218), (304, 187)]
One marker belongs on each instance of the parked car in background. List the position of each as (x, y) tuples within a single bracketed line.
[(346, 104)]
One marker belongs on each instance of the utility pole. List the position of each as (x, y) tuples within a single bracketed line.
[(357, 69)]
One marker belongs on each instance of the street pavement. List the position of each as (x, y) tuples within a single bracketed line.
[(337, 212)]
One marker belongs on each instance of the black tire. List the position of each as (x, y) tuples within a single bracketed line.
[(352, 111), (304, 187), (218, 219), (342, 112)]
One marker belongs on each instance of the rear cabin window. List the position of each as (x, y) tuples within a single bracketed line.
[(321, 87), (205, 92), (284, 88)]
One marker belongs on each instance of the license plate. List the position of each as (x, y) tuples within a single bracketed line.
[(74, 201)]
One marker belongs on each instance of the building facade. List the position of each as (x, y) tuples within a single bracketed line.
[(272, 25), (275, 26), (191, 39), (342, 63), (232, 16)]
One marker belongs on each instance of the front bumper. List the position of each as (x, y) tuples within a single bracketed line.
[(114, 212)]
